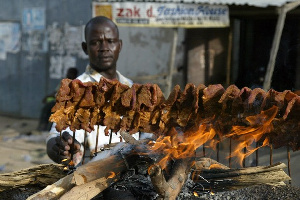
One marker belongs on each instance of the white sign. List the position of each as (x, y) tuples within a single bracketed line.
[(10, 38), (33, 19), (163, 14)]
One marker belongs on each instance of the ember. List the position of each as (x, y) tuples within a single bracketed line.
[(111, 175)]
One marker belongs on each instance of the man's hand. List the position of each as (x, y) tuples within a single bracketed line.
[(59, 149)]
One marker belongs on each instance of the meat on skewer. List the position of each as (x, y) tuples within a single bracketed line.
[(144, 108)]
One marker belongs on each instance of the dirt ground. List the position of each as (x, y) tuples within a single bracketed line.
[(21, 147)]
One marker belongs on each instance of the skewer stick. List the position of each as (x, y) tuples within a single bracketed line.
[(218, 151), (96, 146), (84, 147), (289, 162), (73, 145), (140, 133), (60, 145), (110, 136), (229, 159), (256, 154), (271, 154), (244, 159)]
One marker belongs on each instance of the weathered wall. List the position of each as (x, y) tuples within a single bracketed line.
[(146, 55), (41, 57), (207, 55), (33, 63)]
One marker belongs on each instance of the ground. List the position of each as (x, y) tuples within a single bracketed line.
[(21, 147)]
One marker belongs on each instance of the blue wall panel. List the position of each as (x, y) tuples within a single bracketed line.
[(24, 75)]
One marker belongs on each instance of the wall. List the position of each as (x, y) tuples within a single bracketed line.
[(43, 38), (207, 55)]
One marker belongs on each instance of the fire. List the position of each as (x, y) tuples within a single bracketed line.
[(111, 175), (196, 194), (178, 145), (71, 163), (215, 166), (259, 125)]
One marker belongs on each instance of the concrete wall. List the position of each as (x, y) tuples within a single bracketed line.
[(207, 55), (50, 42)]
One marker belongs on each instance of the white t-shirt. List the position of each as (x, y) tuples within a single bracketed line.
[(90, 75)]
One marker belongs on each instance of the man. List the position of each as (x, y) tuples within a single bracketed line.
[(102, 45)]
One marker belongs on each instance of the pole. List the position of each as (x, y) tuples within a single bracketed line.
[(228, 67), (274, 50), (278, 32), (172, 62)]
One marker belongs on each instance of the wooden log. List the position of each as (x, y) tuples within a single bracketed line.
[(231, 179), (89, 190), (55, 190), (87, 183), (208, 163), (111, 166), (99, 175), (41, 175), (169, 189), (213, 173)]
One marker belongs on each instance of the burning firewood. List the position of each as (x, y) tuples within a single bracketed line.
[(169, 189), (214, 176), (89, 179)]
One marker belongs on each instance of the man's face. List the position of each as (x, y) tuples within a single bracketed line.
[(102, 46)]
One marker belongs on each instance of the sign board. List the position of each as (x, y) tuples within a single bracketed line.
[(144, 14), (10, 38), (33, 19)]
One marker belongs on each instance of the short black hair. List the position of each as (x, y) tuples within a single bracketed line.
[(98, 20)]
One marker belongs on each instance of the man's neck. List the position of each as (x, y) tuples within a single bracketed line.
[(109, 74)]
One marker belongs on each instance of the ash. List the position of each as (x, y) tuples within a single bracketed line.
[(260, 192), (135, 184), (21, 193), (139, 187), (256, 192)]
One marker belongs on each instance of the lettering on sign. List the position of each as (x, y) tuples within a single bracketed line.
[(164, 14)]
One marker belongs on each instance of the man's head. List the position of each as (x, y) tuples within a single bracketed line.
[(102, 44)]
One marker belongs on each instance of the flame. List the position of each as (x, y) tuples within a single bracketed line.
[(111, 174), (71, 163), (215, 166), (259, 125), (196, 194), (176, 145)]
